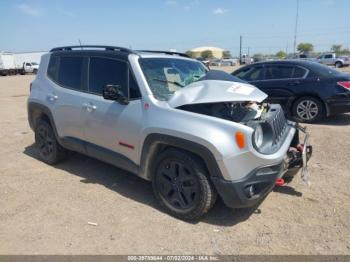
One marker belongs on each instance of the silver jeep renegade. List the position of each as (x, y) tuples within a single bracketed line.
[(195, 133)]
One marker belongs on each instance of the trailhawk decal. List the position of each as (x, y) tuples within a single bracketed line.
[(240, 89)]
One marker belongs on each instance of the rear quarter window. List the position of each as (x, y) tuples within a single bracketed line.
[(52, 69), (299, 72)]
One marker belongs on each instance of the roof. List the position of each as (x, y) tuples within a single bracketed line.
[(204, 48), (114, 50), (288, 61)]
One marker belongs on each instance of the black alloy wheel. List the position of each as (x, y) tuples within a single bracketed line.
[(49, 149), (181, 185)]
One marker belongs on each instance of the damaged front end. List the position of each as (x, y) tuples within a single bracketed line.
[(298, 155), (270, 119), (244, 104)]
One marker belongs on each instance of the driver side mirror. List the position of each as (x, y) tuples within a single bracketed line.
[(115, 93)]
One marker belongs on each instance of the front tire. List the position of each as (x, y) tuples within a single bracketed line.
[(50, 151), (181, 185), (308, 109)]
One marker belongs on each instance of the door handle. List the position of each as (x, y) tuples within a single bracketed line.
[(294, 83), (52, 97), (89, 107)]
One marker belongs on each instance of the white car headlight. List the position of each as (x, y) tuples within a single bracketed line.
[(258, 136)]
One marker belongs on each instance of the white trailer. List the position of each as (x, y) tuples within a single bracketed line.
[(7, 64)]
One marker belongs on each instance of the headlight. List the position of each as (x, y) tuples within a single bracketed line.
[(258, 136)]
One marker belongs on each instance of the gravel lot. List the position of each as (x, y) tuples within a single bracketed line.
[(46, 210)]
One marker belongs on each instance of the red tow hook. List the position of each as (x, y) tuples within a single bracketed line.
[(300, 147), (279, 182)]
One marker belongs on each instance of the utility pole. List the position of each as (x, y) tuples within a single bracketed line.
[(80, 44), (240, 49), (296, 28), (287, 49)]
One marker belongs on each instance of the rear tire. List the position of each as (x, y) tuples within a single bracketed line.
[(50, 151), (338, 65), (308, 109), (181, 185)]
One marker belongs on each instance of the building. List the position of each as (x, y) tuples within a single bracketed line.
[(217, 52)]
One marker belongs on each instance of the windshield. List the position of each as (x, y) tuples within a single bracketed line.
[(167, 75)]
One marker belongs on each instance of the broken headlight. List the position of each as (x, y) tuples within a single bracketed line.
[(258, 136)]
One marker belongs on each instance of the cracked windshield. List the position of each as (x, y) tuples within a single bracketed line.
[(167, 75)]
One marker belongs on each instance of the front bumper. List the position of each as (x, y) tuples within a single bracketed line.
[(251, 189)]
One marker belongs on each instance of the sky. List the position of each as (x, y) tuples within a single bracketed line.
[(266, 26)]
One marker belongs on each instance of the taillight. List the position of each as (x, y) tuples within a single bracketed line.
[(344, 84)]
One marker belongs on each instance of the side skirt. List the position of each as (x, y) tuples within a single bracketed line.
[(100, 153)]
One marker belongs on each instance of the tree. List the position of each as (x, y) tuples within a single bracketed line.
[(190, 53), (281, 54), (305, 47), (345, 51), (207, 54), (226, 54), (336, 49)]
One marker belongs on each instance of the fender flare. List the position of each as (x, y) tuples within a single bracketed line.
[(154, 142), (35, 110)]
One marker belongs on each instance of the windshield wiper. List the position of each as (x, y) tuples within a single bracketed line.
[(167, 81)]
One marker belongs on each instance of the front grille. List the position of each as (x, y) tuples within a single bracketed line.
[(278, 123)]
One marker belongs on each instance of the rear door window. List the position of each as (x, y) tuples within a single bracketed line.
[(278, 72), (70, 72)]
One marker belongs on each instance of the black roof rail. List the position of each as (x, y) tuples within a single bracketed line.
[(163, 52), (107, 48)]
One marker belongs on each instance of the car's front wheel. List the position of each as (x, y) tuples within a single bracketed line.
[(50, 151), (181, 185), (308, 109)]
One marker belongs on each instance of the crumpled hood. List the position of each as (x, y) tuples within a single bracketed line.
[(214, 91)]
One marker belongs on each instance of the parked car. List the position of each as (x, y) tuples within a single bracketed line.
[(308, 91), (215, 62), (332, 59), (205, 61), (230, 61), (167, 119)]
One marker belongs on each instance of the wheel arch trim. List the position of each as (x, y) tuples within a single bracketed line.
[(35, 109), (155, 143)]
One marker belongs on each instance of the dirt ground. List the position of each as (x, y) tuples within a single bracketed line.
[(47, 210)]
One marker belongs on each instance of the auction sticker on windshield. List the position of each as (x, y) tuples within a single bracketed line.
[(240, 89)]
